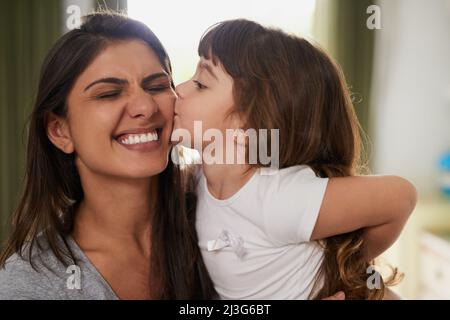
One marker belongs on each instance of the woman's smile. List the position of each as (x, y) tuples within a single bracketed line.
[(143, 140)]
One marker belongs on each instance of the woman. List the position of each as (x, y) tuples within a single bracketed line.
[(103, 214)]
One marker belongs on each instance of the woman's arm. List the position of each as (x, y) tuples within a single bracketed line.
[(379, 204)]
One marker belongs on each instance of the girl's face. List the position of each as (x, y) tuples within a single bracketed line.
[(206, 97), (120, 114)]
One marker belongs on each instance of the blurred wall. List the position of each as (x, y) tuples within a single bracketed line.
[(411, 90), (27, 30)]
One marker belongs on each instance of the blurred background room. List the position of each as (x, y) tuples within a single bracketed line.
[(395, 55)]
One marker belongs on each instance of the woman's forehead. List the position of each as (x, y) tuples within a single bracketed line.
[(131, 59)]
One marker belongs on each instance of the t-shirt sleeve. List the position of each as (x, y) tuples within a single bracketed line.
[(19, 281), (292, 204)]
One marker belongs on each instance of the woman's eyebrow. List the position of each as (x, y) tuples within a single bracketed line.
[(155, 76), (123, 81), (107, 80)]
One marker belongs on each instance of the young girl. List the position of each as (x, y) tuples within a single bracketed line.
[(259, 232)]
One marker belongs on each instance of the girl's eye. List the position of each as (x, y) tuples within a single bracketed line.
[(199, 85), (109, 95)]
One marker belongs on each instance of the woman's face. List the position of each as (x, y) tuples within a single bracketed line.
[(120, 113), (206, 97)]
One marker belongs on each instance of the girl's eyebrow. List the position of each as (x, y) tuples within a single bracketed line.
[(208, 68), (113, 80)]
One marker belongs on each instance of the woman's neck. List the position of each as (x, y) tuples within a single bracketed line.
[(224, 180), (115, 212)]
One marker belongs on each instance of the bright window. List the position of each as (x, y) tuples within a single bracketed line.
[(179, 24)]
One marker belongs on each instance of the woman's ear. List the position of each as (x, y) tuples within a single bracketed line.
[(59, 134)]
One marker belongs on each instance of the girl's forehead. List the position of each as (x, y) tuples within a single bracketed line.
[(207, 66), (215, 71)]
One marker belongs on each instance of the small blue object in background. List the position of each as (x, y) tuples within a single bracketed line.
[(444, 170)]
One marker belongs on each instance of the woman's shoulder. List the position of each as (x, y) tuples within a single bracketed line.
[(41, 275), (35, 273), (19, 280)]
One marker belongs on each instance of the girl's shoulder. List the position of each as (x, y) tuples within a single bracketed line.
[(287, 177), (290, 201)]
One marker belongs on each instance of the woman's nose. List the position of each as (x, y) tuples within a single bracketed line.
[(142, 105)]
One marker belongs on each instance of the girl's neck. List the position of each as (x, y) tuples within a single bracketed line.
[(224, 180), (115, 212)]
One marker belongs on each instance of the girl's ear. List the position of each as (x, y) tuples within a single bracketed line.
[(237, 120), (59, 134)]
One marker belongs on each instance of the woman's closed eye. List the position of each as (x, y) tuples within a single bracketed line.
[(109, 95), (116, 93), (158, 88)]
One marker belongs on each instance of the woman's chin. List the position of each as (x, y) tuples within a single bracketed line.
[(145, 171)]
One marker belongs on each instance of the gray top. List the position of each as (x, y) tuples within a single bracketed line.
[(52, 280)]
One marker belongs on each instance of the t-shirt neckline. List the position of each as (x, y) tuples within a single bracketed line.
[(90, 265), (224, 202)]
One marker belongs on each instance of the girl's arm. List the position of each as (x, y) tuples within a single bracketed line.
[(380, 204)]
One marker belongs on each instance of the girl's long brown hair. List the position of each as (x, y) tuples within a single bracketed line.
[(52, 184), (284, 82)]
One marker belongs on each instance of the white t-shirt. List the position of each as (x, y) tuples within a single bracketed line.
[(256, 244)]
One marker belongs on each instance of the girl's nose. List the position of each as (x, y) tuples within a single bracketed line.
[(180, 90)]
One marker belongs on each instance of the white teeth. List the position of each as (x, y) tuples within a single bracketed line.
[(140, 138)]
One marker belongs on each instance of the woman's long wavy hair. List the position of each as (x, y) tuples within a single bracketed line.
[(284, 82), (53, 189)]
